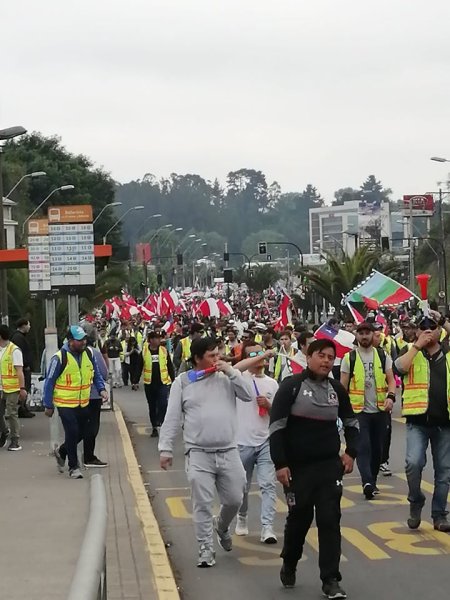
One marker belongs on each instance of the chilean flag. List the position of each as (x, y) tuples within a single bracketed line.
[(343, 340), (209, 308)]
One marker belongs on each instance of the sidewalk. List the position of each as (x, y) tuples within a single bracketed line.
[(44, 515)]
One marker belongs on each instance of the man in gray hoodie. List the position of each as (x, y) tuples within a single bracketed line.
[(205, 402)]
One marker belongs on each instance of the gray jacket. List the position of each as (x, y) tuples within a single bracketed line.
[(207, 411)]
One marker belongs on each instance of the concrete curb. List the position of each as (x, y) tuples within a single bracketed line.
[(163, 577)]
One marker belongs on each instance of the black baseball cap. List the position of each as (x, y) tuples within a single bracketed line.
[(365, 326)]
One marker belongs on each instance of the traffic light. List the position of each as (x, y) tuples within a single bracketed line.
[(228, 275), (159, 279), (385, 243), (250, 273), (262, 248), (226, 256), (269, 257), (179, 259)]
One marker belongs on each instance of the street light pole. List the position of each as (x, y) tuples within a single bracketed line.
[(5, 134), (32, 175), (111, 204), (62, 188), (121, 219)]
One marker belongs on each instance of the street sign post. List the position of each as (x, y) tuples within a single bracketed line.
[(422, 205)]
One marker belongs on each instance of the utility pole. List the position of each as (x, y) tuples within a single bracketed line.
[(411, 248), (444, 254), (3, 280)]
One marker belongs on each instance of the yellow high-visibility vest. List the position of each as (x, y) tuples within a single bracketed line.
[(277, 375), (357, 383), (416, 385), (10, 380), (147, 356), (185, 348), (73, 386)]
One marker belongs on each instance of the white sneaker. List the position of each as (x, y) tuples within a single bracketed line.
[(206, 557), (75, 474), (268, 535), (241, 526)]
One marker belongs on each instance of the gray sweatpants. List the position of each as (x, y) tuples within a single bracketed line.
[(206, 472)]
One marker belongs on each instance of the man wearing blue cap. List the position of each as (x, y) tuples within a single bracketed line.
[(70, 374)]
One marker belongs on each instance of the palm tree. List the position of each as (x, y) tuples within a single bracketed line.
[(341, 273)]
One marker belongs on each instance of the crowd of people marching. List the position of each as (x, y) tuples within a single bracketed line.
[(249, 397)]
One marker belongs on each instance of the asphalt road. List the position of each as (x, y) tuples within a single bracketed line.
[(381, 556)]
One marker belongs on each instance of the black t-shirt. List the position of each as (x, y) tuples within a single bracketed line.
[(437, 413)]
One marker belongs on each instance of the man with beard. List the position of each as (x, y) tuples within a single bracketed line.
[(367, 375)]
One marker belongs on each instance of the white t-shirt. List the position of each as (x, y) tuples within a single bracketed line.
[(17, 360), (253, 430)]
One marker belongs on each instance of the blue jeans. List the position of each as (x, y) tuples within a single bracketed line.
[(74, 421), (417, 438), (259, 457)]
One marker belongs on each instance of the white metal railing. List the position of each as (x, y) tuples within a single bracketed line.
[(89, 581)]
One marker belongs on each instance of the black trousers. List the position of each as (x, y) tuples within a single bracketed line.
[(125, 373), (318, 487), (387, 440), (372, 435), (157, 397), (92, 427)]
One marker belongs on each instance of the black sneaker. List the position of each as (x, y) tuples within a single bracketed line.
[(441, 524), (60, 460), (14, 446), (3, 438), (154, 432), (332, 589), (95, 463), (368, 491), (287, 575), (415, 517)]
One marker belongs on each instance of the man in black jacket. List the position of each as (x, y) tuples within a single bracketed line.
[(19, 338), (305, 447)]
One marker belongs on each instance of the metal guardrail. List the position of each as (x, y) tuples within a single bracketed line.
[(89, 581)]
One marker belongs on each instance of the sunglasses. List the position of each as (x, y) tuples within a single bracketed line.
[(253, 354), (428, 327)]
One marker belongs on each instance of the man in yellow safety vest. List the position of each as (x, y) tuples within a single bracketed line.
[(12, 389), (183, 350), (158, 376), (367, 375), (67, 387), (425, 366)]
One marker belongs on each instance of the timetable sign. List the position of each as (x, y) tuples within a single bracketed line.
[(71, 245), (38, 256)]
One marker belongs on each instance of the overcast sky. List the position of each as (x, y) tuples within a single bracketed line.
[(319, 91)]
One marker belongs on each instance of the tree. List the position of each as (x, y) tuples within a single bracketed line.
[(346, 194), (340, 274), (373, 190), (36, 152)]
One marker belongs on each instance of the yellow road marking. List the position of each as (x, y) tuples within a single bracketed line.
[(363, 544), (164, 580), (411, 542)]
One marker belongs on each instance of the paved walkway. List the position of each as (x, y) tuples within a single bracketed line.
[(43, 515)]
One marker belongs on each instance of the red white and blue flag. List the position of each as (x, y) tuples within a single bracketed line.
[(343, 340)]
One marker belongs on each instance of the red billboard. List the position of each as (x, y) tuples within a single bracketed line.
[(143, 253), (422, 205)]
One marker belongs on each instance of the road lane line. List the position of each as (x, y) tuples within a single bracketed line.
[(164, 580)]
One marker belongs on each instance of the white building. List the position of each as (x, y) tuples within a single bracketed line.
[(347, 226), (10, 223)]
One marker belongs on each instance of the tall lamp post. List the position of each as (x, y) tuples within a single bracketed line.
[(32, 175), (62, 188), (5, 134), (442, 230), (110, 205), (120, 219)]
